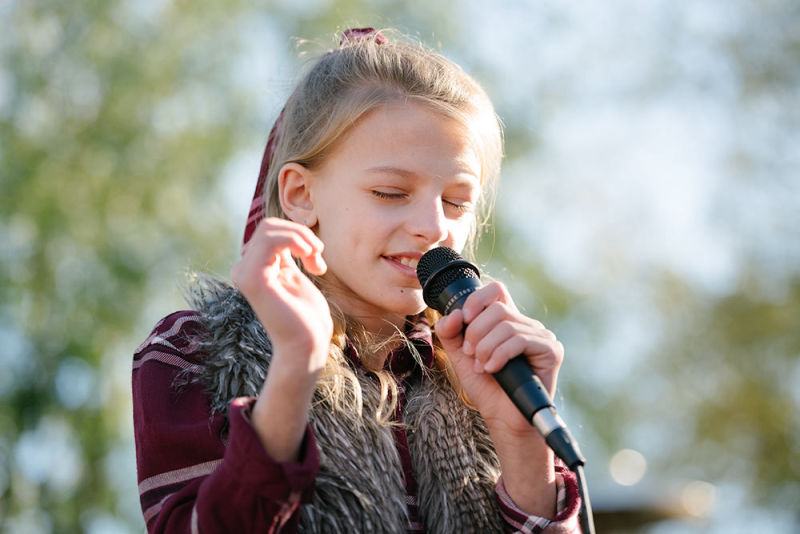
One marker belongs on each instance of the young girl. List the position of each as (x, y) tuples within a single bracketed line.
[(311, 395)]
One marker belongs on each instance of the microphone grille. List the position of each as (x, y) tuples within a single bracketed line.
[(433, 260), (440, 267)]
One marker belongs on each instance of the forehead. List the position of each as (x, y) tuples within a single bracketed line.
[(408, 135)]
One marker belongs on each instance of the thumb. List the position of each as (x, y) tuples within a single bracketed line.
[(449, 329)]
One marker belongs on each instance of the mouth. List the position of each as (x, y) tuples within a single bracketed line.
[(405, 263), (408, 262)]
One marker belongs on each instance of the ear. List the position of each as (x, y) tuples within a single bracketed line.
[(294, 190)]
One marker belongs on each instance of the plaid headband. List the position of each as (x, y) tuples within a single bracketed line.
[(257, 207)]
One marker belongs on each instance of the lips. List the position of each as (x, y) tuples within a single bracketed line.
[(406, 263)]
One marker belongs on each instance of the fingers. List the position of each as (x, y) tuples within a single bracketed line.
[(506, 338), (269, 253), (494, 335), (484, 297), (274, 235), (545, 352), (497, 332), (449, 329), (535, 341)]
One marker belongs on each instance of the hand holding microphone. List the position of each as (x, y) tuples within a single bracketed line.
[(447, 280)]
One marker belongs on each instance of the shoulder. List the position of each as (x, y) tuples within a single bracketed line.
[(167, 366), (220, 349), (175, 431), (173, 343)]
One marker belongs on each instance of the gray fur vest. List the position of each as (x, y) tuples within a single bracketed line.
[(360, 487)]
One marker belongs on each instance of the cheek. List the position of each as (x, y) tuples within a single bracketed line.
[(460, 233)]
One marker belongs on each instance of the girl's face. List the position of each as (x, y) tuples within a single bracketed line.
[(403, 181)]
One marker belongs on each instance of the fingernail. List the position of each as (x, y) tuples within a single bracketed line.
[(467, 348)]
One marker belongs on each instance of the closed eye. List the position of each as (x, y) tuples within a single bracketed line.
[(384, 194), (460, 207)]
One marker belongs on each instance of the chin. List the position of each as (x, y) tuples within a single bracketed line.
[(404, 302), (415, 306)]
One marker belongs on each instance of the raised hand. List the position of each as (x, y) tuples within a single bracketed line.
[(291, 308), (297, 319)]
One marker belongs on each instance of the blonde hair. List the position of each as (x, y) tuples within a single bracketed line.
[(343, 85)]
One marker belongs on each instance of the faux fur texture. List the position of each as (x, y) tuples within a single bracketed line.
[(359, 487)]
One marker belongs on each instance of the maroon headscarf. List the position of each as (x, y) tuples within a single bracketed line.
[(257, 207)]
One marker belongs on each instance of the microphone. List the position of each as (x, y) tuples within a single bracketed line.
[(447, 280)]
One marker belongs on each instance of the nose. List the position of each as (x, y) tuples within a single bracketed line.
[(428, 222)]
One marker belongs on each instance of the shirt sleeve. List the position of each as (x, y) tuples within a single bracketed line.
[(200, 472), (568, 503)]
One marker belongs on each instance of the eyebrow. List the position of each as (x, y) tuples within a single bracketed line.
[(405, 173)]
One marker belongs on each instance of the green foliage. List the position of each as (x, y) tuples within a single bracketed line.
[(106, 178), (738, 362)]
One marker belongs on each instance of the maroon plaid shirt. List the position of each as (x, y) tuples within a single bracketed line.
[(192, 479)]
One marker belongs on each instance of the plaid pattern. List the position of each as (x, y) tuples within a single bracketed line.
[(567, 505)]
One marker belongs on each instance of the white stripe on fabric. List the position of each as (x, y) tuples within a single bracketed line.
[(178, 475), (169, 359), (151, 512), (159, 337)]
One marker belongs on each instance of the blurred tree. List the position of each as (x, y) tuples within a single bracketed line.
[(735, 355), (713, 393), (118, 121), (737, 363), (115, 124)]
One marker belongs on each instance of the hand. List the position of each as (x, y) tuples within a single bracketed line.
[(298, 322), (291, 308), (495, 333)]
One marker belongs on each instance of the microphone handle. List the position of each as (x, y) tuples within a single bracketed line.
[(527, 392)]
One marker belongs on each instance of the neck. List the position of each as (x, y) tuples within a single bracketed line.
[(381, 337), (379, 323), (382, 328)]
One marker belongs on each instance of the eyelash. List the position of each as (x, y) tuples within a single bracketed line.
[(382, 194), (460, 208)]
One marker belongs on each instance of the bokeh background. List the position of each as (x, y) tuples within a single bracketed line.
[(649, 214)]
